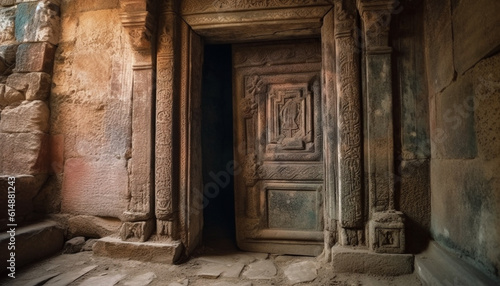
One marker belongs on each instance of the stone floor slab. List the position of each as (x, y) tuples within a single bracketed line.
[(69, 277), (141, 280), (233, 271), (264, 269), (211, 271), (299, 272), (103, 280)]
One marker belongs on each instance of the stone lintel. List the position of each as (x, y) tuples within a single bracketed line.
[(351, 260), (156, 252)]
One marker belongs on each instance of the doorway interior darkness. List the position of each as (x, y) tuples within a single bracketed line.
[(217, 147)]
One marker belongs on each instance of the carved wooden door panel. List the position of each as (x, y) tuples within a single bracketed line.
[(278, 146)]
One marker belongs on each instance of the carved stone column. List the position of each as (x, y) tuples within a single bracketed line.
[(167, 84), (386, 225), (349, 131), (138, 219)]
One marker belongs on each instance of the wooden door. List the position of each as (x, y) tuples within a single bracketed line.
[(278, 147)]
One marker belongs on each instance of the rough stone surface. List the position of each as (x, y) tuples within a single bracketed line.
[(362, 261), (35, 57), (89, 244), (8, 54), (35, 85), (24, 153), (264, 269), (87, 191), (7, 25), (141, 280), (7, 2), (439, 45), (211, 271), (103, 279), (475, 32), (34, 242), (74, 245), (38, 22), (92, 226), (69, 277), (415, 202), (29, 117), (299, 272), (454, 136), (437, 266), (27, 187), (159, 252), (9, 95)]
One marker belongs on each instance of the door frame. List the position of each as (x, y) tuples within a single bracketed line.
[(334, 29)]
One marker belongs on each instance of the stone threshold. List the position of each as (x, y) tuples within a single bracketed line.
[(437, 266), (150, 251), (353, 260)]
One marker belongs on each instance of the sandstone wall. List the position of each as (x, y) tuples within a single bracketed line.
[(29, 34), (90, 113), (462, 41)]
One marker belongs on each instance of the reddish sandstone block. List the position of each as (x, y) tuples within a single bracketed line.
[(30, 116), (36, 85), (94, 186), (24, 153), (35, 57)]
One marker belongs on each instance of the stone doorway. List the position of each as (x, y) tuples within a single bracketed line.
[(217, 147)]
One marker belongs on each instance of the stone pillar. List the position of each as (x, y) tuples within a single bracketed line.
[(329, 131), (167, 84), (386, 228), (138, 219), (349, 131)]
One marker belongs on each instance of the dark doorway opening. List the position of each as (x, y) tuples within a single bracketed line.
[(217, 148)]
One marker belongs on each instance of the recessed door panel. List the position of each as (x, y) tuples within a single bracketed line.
[(278, 138)]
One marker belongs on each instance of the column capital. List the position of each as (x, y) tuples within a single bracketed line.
[(376, 17)]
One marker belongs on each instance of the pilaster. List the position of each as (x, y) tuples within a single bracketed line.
[(386, 228)]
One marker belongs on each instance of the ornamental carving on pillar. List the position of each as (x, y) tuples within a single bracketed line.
[(138, 22), (376, 16), (349, 122)]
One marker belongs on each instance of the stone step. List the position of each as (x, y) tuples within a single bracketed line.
[(159, 252), (437, 266), (32, 243), (350, 260)]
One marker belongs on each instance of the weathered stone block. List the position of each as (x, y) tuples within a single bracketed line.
[(36, 85), (92, 226), (455, 136), (24, 153), (387, 232), (95, 186), (347, 260), (89, 5), (439, 42), (8, 54), (137, 231), (74, 245), (7, 2), (475, 31), (30, 116), (156, 252), (7, 24), (35, 242), (35, 57), (38, 22), (9, 95), (26, 187)]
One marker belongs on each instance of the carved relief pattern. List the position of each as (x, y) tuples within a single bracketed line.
[(258, 55), (164, 122), (349, 123), (196, 6)]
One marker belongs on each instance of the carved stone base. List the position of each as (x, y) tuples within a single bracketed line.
[(158, 252), (350, 260), (387, 232), (137, 231)]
